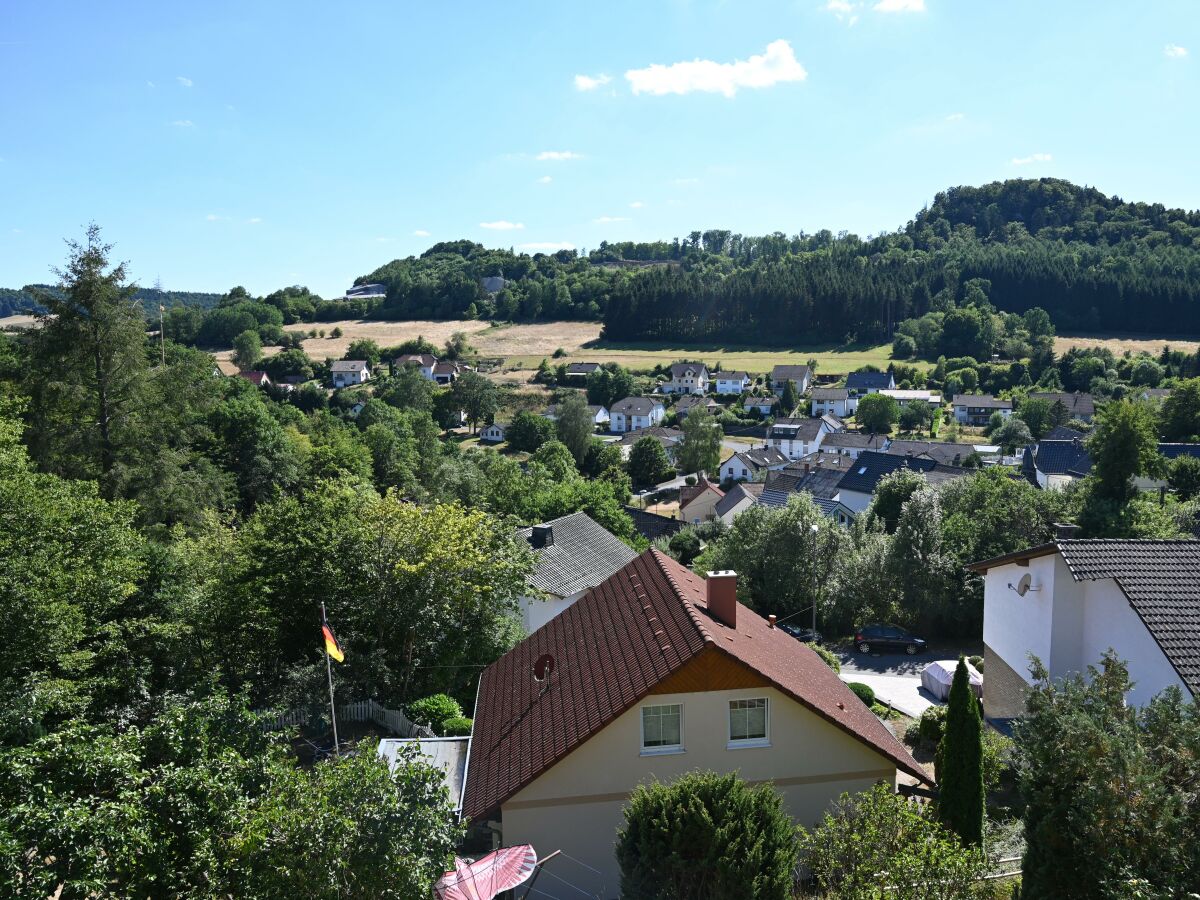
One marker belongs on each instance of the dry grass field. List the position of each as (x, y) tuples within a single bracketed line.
[(1134, 343)]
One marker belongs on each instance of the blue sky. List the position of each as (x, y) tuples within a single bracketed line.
[(270, 143)]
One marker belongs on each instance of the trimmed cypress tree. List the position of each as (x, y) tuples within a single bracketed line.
[(960, 762)]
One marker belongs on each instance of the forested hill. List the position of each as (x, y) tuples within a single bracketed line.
[(1093, 261), (15, 302)]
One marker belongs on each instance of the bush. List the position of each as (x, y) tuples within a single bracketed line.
[(863, 692), (903, 347), (977, 662), (933, 723), (456, 726), (690, 480), (559, 353), (433, 711), (706, 836), (685, 545), (827, 657)]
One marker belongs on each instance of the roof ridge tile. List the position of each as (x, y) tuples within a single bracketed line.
[(692, 612)]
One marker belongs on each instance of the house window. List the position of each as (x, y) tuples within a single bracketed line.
[(748, 723), (662, 728)]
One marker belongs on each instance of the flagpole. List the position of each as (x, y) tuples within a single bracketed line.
[(329, 671)]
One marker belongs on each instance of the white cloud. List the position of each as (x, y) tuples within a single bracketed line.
[(182, 123), (420, 232), (891, 6), (149, 84), (1174, 51), (213, 217), (636, 204), (502, 225), (546, 246), (956, 117), (557, 155), (776, 65), (186, 82), (844, 10), (545, 179), (1032, 158), (590, 82), (254, 220), (605, 220)]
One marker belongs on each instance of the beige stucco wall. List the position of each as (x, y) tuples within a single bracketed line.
[(703, 508), (577, 805)]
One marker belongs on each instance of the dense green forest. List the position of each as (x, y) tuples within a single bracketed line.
[(1094, 262), (15, 302)]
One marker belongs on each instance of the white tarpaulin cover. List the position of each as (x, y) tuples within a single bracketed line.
[(938, 676), (488, 876)]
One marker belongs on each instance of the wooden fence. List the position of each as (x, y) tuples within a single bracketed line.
[(360, 711)]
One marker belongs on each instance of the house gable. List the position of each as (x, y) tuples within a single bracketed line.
[(710, 670)]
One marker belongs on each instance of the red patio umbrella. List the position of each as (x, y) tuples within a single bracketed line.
[(488, 875)]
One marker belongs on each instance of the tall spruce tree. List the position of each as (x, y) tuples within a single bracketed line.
[(960, 762)]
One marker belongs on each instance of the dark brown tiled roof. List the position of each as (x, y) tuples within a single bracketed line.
[(611, 648), (1161, 579)]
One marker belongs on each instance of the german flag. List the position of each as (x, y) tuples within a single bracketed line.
[(332, 647)]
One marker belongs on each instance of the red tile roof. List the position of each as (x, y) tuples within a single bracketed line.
[(648, 620)]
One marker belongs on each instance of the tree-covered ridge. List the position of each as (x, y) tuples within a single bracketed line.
[(25, 300)]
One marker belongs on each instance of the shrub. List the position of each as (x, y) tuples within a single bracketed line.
[(685, 545), (559, 353), (456, 726), (977, 662), (433, 711), (863, 692), (706, 836), (827, 657), (690, 480), (933, 723)]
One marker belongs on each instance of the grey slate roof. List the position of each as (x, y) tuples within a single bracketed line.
[(1174, 451), (981, 401), (763, 457), (871, 466), (668, 437), (680, 370), (731, 376), (830, 393), (1079, 405), (854, 440), (635, 406), (583, 554), (863, 381), (796, 429), (582, 368), (1063, 433), (789, 373), (737, 494), (1062, 458), (651, 525), (939, 451), (349, 365)]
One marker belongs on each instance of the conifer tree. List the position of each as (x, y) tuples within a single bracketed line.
[(960, 762)]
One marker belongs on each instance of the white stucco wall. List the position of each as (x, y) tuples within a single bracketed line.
[(1015, 626), (537, 611), (577, 805)]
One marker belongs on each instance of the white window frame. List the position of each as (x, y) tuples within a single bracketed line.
[(663, 750), (732, 743)]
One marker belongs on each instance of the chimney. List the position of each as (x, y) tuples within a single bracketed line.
[(806, 468), (1064, 531), (722, 596), (542, 536), (771, 620)]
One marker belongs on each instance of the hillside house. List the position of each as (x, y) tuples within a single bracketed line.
[(1079, 405), (581, 370), (977, 409), (859, 384), (833, 401), (654, 673), (669, 438), (1068, 601), (764, 406), (687, 378), (349, 372), (574, 553), (689, 402), (373, 291), (634, 414), (258, 379), (852, 443), (800, 376), (698, 502), (795, 438), (857, 486), (421, 361), (747, 464), (905, 397), (494, 433), (733, 382), (737, 500), (446, 372)]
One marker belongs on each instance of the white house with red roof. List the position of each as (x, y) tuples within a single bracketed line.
[(653, 673)]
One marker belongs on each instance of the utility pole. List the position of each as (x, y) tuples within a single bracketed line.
[(162, 335)]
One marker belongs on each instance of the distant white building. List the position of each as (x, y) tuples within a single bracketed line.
[(349, 372), (905, 397), (687, 378), (422, 361), (494, 433), (733, 382), (831, 401), (635, 413)]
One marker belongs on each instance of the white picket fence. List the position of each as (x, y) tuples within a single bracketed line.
[(360, 711)]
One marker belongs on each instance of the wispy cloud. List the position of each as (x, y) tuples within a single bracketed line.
[(605, 220), (558, 155), (545, 179), (1032, 158), (956, 117), (590, 82), (844, 10), (502, 225), (150, 84), (777, 64), (636, 204), (1174, 51), (420, 232), (892, 6), (213, 217), (254, 220), (186, 82), (183, 123), (546, 246)]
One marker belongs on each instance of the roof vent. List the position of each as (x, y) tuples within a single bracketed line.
[(722, 596), (1065, 531), (542, 536)]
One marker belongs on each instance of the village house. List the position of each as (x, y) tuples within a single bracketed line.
[(859, 384), (573, 553), (977, 409), (687, 378), (831, 401), (857, 486), (599, 414), (651, 525), (447, 372), (422, 361), (939, 451), (1079, 405), (905, 397), (764, 406), (698, 502), (689, 402), (852, 443), (737, 500), (348, 372), (669, 438), (1068, 601), (1054, 464), (654, 673), (800, 376), (634, 414), (258, 379), (798, 437), (581, 369), (745, 465), (494, 433), (733, 382)]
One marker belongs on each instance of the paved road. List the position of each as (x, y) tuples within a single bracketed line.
[(896, 677)]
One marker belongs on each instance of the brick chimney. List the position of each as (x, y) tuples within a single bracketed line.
[(722, 596), (541, 536)]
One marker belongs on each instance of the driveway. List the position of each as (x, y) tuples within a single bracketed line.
[(896, 677)]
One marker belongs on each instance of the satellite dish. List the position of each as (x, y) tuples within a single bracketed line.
[(543, 668), (1022, 587)]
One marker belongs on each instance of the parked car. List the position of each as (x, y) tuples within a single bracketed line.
[(801, 634), (887, 637)]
